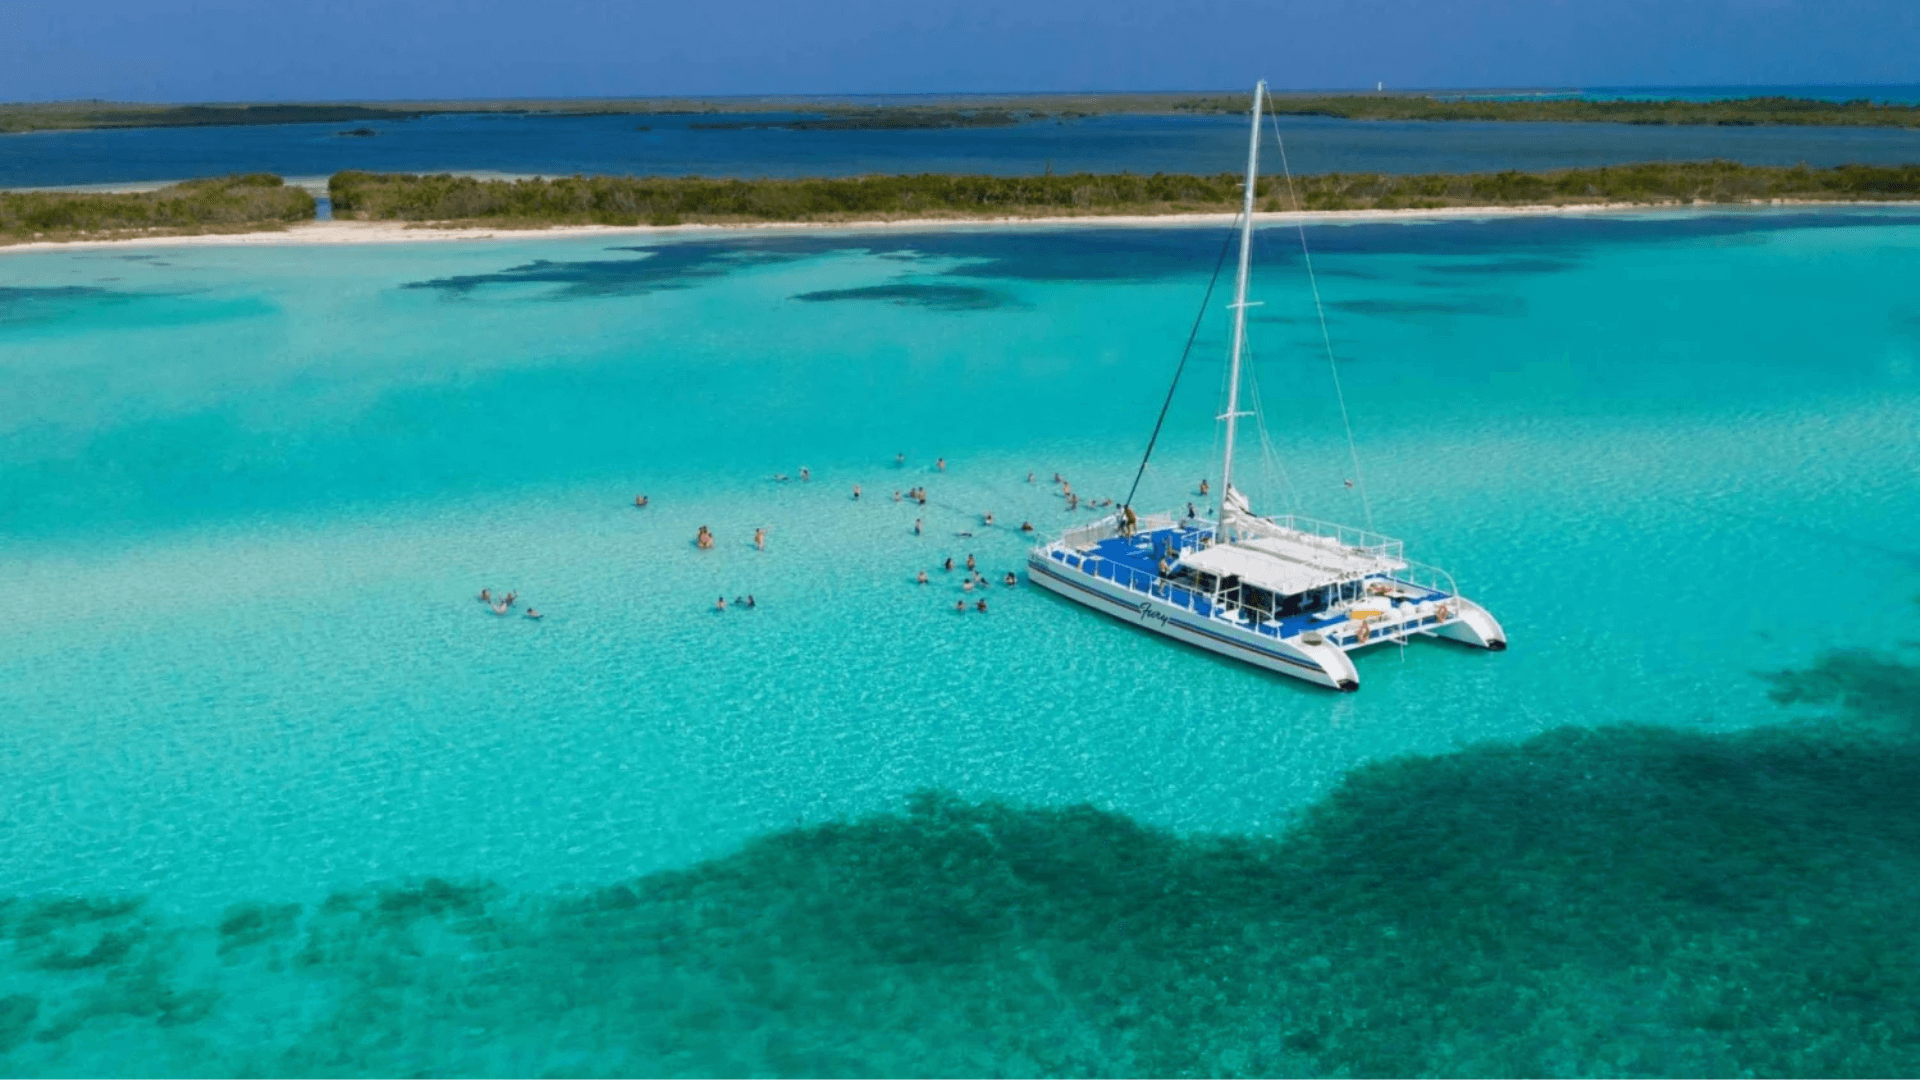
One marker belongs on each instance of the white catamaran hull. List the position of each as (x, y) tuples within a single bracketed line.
[(1324, 665)]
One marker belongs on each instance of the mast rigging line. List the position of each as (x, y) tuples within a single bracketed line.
[(1319, 309), (1193, 334)]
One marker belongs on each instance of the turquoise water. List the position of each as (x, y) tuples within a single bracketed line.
[(282, 797)]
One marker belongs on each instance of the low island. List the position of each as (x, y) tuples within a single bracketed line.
[(454, 203)]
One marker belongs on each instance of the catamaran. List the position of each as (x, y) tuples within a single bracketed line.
[(1287, 593)]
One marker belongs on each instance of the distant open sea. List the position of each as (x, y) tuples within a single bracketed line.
[(672, 146), (283, 798)]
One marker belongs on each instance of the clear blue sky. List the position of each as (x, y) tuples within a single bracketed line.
[(225, 50)]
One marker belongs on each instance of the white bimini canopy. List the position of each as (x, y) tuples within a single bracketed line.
[(1287, 566)]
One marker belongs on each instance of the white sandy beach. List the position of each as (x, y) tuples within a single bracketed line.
[(400, 232)]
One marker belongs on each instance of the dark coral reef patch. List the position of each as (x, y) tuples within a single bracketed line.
[(1634, 900)]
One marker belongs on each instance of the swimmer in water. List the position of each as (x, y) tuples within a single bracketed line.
[(1026, 526), (916, 526), (781, 478), (704, 538), (804, 474), (989, 517), (967, 585), (751, 602), (948, 566), (941, 464), (923, 496), (720, 604), (510, 598), (640, 502), (899, 460), (922, 579), (500, 608), (970, 563), (968, 535), (856, 492), (981, 606), (1011, 580), (1029, 478), (760, 539), (1203, 487), (486, 596), (960, 605), (534, 614), (896, 496)]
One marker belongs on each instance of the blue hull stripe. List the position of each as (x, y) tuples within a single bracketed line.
[(1034, 567)]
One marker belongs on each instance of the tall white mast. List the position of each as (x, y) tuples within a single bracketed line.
[(1233, 412)]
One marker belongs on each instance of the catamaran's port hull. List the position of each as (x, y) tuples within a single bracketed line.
[(1325, 664)]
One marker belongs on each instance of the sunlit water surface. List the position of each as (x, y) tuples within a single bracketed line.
[(247, 498)]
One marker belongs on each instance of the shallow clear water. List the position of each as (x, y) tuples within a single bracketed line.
[(247, 497), (670, 146)]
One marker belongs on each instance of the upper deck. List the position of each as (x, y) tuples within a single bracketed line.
[(1354, 583)]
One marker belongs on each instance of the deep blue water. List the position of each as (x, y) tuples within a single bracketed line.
[(551, 145)]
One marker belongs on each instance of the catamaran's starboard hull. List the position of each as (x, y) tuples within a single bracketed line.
[(1323, 665)]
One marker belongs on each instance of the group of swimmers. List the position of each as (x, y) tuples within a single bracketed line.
[(746, 601), (504, 605)]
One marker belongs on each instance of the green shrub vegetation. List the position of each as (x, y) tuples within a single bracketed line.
[(974, 111), (1736, 112), (613, 200), (224, 204)]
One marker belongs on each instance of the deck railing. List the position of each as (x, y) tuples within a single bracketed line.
[(1346, 537)]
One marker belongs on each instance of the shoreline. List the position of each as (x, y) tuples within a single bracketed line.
[(328, 233)]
